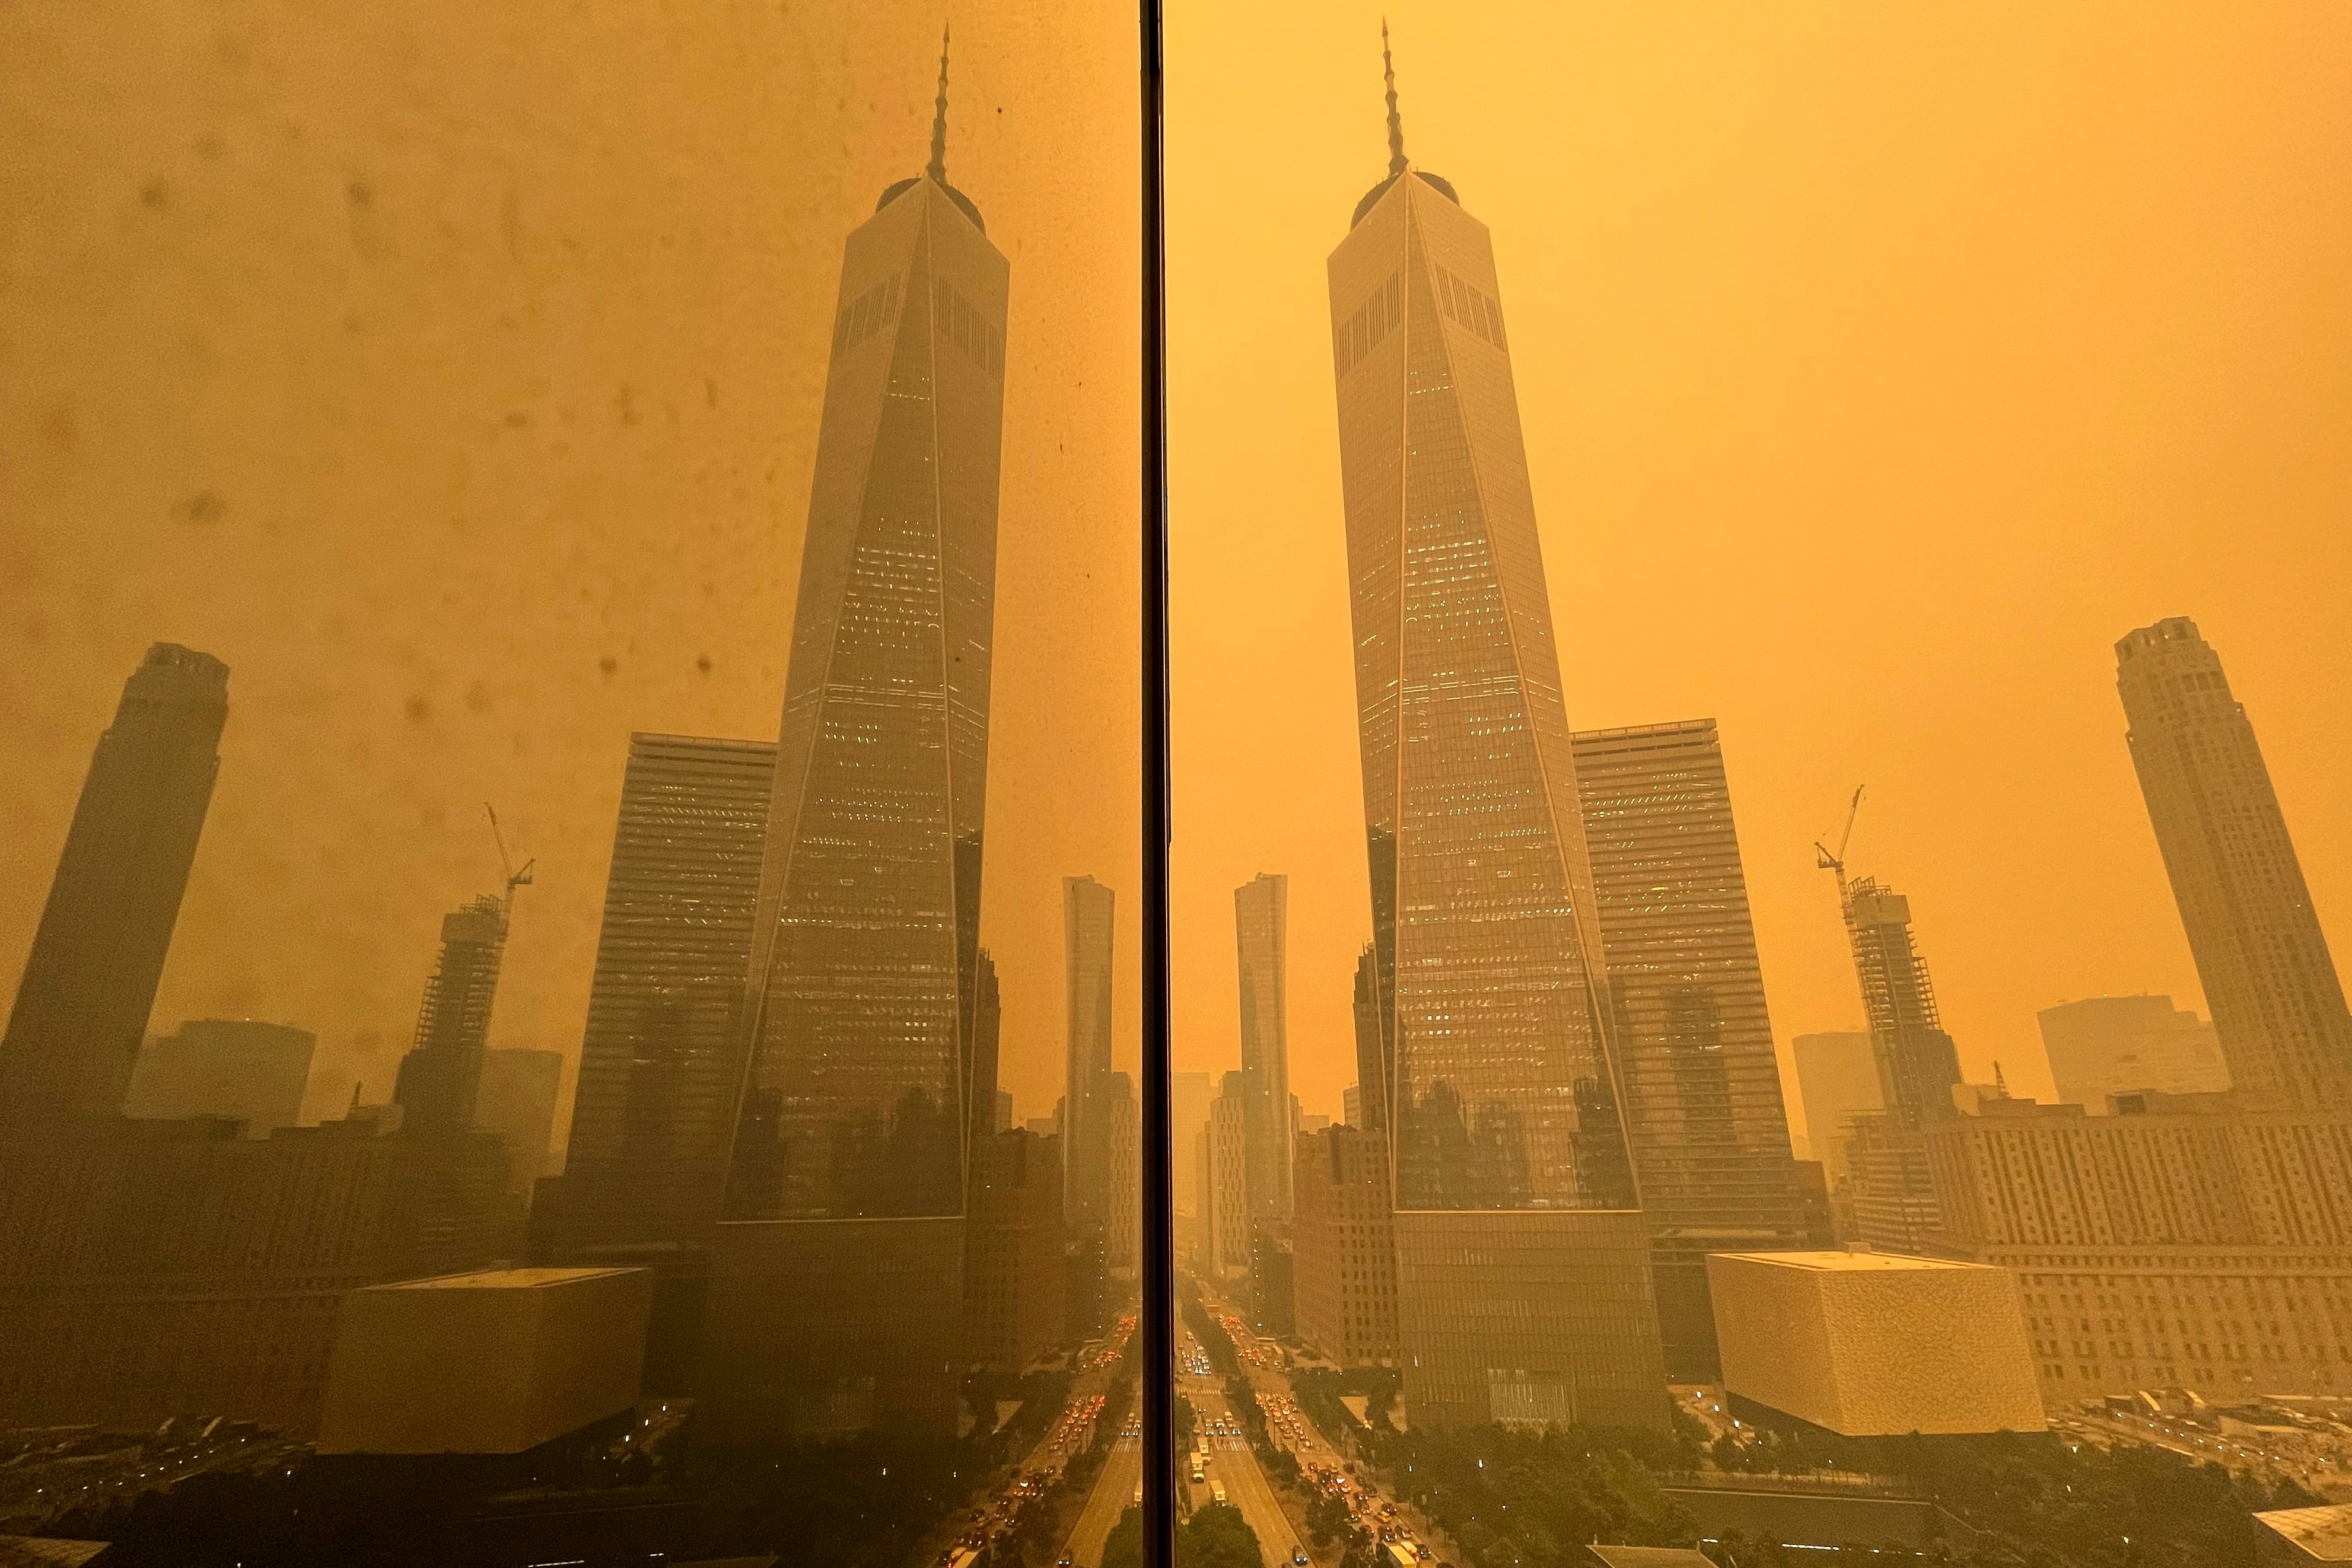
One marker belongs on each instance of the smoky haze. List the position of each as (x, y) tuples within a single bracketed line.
[(1878, 369), (454, 377)]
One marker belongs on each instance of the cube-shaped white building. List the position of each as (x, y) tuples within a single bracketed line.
[(494, 1362), (1875, 1343)]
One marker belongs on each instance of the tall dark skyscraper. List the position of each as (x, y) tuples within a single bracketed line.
[(1694, 1039), (1261, 930), (661, 1060), (2277, 1000), (838, 1262), (89, 982), (1087, 911), (1522, 1278), (442, 1074)]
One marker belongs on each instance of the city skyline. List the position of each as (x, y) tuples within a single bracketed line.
[(1536, 577), (1799, 747)]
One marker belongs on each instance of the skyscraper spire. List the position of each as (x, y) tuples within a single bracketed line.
[(939, 168), (1396, 123)]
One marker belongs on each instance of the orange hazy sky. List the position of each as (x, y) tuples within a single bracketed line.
[(1880, 366), (453, 375)]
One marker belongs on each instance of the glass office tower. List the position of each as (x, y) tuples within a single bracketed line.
[(1523, 1284), (842, 1233)]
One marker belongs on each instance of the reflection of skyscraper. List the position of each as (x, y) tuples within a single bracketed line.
[(1261, 922), (1086, 910), (517, 1103), (661, 1060), (441, 1076), (1916, 1063), (1694, 1040), (90, 981), (1123, 1208), (1522, 1256), (1189, 1094), (2278, 1003), (225, 1067), (843, 1230)]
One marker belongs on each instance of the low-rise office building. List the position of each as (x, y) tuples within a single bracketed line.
[(1869, 1344)]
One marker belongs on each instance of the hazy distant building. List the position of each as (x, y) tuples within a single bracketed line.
[(1004, 1110), (1087, 908), (254, 1072), (2278, 1003), (1123, 1215), (1351, 1106), (1223, 1205), (1837, 1079), (661, 1059), (89, 984), (1522, 1254), (151, 1268), (460, 1192), (1885, 1165), (1694, 1055), (1044, 1126), (1344, 1248), (843, 1229), (1869, 1344), (2111, 1045), (2181, 1243), (1015, 1270), (1189, 1094), (517, 1102), (491, 1362), (1261, 934)]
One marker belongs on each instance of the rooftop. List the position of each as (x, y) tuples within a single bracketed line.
[(2321, 1534), (1851, 1262), (501, 1280)]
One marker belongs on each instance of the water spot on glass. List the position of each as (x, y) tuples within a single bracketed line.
[(702, 663), (419, 710), (156, 194), (203, 506), (608, 664)]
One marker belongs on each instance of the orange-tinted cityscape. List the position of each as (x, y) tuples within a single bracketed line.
[(1253, 788)]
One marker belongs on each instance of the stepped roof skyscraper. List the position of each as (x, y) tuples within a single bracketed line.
[(2277, 1000), (842, 1226), (97, 956), (1523, 1282)]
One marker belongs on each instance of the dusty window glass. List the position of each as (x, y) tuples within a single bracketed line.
[(709, 438)]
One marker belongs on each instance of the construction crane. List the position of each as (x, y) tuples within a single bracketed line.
[(516, 879), (1825, 857)]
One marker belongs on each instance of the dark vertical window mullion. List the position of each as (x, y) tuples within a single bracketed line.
[(1156, 1240)]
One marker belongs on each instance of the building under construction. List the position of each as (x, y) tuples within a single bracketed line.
[(1889, 1195)]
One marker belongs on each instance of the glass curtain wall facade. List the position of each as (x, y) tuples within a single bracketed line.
[(1703, 1103), (1523, 1286), (842, 1228)]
